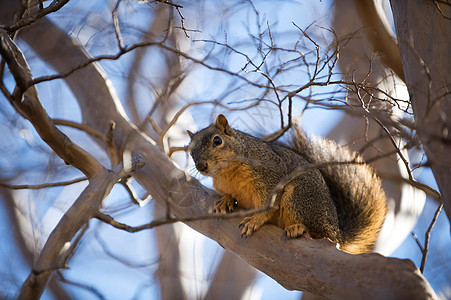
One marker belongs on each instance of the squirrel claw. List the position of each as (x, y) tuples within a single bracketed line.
[(249, 225), (224, 204)]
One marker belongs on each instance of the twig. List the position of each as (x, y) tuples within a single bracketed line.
[(114, 156), (89, 130), (67, 254), (175, 149), (421, 186), (384, 128), (170, 220), (86, 287), (108, 138), (424, 250), (135, 199), (154, 126), (317, 48), (47, 269), (182, 21), (118, 258), (170, 3), (184, 108), (117, 28), (41, 186)]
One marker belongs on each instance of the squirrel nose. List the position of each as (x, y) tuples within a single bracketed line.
[(202, 167)]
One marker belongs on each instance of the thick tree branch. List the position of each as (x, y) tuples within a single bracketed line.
[(380, 35)]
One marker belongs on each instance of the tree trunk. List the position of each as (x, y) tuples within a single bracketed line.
[(424, 34)]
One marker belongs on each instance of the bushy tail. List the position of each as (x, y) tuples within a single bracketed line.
[(355, 189)]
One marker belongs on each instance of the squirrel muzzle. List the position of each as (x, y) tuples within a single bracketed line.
[(202, 167)]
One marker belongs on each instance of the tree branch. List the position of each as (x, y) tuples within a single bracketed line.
[(424, 250), (54, 6), (380, 36), (40, 186)]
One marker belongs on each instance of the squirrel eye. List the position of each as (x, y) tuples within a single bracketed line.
[(217, 141)]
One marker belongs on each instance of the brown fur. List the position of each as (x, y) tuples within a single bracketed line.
[(237, 180), (355, 188)]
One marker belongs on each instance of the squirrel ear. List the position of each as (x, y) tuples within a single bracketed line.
[(190, 134), (223, 125)]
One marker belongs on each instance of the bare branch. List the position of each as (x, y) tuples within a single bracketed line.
[(117, 29), (114, 156), (170, 220), (87, 287), (41, 186), (42, 12), (175, 149), (442, 2), (424, 250), (429, 91), (135, 199), (89, 130), (425, 188)]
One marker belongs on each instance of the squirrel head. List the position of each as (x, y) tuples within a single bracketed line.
[(212, 148)]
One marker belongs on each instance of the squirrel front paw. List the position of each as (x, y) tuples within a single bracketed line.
[(225, 203), (250, 224)]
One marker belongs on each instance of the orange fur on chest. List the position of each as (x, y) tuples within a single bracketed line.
[(237, 181)]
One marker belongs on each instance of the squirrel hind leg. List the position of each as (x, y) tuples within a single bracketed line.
[(295, 231)]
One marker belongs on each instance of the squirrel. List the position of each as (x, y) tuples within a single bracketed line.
[(344, 203)]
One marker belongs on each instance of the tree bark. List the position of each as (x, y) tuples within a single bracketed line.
[(424, 34)]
